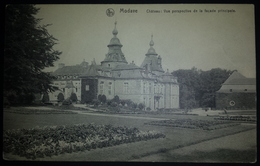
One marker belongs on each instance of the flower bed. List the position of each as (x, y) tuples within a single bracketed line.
[(39, 111), (194, 124), (48, 141), (237, 118)]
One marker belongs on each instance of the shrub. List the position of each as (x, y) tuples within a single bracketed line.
[(99, 97), (141, 106), (122, 102), (116, 99), (45, 98), (103, 99), (60, 97), (67, 102), (109, 102), (73, 97), (114, 104), (96, 102), (148, 109), (134, 105)]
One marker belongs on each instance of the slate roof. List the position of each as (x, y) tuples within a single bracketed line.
[(92, 70), (238, 83), (153, 62), (130, 66), (69, 70)]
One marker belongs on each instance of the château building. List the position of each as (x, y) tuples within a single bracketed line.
[(148, 84)]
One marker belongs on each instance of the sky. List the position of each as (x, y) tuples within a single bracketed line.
[(201, 39)]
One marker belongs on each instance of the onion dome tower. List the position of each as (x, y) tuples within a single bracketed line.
[(115, 55), (152, 61)]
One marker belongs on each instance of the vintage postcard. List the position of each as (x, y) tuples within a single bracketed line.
[(146, 83)]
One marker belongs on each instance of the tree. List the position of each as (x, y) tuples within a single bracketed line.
[(189, 81), (198, 88), (28, 50), (211, 82)]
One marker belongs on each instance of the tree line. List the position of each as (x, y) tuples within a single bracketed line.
[(198, 88)]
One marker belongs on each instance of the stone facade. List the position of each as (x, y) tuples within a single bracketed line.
[(148, 84)]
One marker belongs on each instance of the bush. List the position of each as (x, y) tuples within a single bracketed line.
[(45, 98), (122, 102), (148, 109), (73, 97), (60, 97), (141, 106), (116, 99), (103, 99), (67, 102), (133, 105), (114, 104), (109, 102), (96, 102)]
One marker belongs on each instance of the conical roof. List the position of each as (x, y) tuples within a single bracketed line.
[(115, 53), (92, 70), (151, 50)]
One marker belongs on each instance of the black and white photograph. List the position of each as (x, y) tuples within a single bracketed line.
[(130, 83)]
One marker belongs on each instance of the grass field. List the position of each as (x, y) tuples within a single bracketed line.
[(175, 137)]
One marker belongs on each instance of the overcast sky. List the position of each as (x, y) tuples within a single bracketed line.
[(184, 40)]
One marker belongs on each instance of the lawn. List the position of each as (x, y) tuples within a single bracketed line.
[(175, 137)]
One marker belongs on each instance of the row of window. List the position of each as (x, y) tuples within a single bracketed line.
[(157, 88), (101, 88), (64, 83), (67, 76)]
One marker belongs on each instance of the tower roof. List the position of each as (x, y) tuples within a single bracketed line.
[(115, 40), (92, 70), (115, 53), (151, 50)]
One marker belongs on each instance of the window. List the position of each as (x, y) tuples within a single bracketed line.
[(109, 88), (230, 90), (245, 89), (144, 87), (150, 88), (101, 87), (87, 88), (126, 87)]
